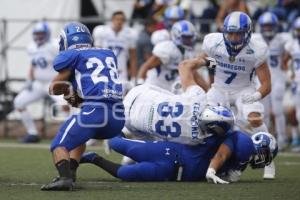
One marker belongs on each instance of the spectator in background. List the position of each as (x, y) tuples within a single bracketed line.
[(287, 10), (227, 7), (142, 9), (209, 13), (144, 46)]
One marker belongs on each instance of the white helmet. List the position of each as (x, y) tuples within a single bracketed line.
[(184, 34), (160, 36), (217, 120)]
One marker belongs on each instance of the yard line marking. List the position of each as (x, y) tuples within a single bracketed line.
[(287, 163)]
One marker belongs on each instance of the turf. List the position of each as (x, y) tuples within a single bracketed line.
[(24, 169)]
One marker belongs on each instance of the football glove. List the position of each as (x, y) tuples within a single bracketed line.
[(212, 177), (251, 98), (211, 63), (73, 99)]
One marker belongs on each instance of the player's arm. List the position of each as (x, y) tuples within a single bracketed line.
[(201, 82), (152, 62), (286, 58), (216, 163), (60, 85), (187, 70), (264, 76), (132, 63)]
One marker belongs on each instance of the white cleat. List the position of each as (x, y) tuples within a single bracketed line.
[(269, 171), (107, 148)]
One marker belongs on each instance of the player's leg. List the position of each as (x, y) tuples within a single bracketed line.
[(75, 156), (278, 112), (22, 100), (138, 150)]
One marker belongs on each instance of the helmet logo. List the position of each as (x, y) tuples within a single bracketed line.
[(75, 38)]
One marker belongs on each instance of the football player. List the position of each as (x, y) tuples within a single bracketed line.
[(293, 53), (96, 89), (42, 51), (220, 159), (269, 28), (238, 57), (122, 41), (167, 55)]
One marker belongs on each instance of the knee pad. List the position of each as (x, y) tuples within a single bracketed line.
[(18, 103), (255, 107)]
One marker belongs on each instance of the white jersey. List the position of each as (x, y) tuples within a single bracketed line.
[(293, 48), (156, 113), (275, 54), (120, 43), (42, 60), (170, 56), (238, 73)]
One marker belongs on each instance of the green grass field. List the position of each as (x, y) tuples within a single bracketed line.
[(24, 169)]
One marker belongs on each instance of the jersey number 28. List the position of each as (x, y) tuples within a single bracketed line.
[(98, 75)]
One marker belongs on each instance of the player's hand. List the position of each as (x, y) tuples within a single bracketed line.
[(211, 63), (212, 177), (73, 99), (251, 98)]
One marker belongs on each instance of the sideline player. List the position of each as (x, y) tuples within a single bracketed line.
[(97, 90), (269, 28), (42, 52), (122, 41), (293, 53), (167, 55)]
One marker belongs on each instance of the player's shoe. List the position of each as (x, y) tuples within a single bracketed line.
[(107, 148), (269, 171), (295, 142), (59, 184), (88, 157), (30, 139)]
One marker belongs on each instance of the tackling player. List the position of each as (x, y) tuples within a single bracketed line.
[(93, 75), (42, 52), (219, 160), (238, 58)]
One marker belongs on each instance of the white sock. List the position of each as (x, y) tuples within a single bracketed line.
[(280, 128), (28, 122), (261, 128), (294, 130)]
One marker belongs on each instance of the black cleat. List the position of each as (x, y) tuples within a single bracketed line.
[(30, 139), (59, 184)]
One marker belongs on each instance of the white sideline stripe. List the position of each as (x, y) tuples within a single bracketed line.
[(287, 163), (37, 146), (67, 130)]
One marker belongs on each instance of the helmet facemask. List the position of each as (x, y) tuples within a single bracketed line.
[(235, 41), (262, 158), (268, 31)]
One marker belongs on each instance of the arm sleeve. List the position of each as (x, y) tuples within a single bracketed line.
[(262, 55), (206, 46), (64, 60)]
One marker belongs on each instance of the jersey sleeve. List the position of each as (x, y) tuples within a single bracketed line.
[(262, 54), (98, 35), (65, 60), (240, 145), (194, 91), (162, 51), (208, 43), (289, 46)]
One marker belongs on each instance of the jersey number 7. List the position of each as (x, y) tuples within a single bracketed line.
[(231, 77)]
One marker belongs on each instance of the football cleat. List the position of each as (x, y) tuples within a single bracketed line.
[(88, 157), (59, 184), (269, 171), (30, 139)]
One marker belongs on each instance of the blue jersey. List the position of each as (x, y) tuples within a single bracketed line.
[(95, 73)]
